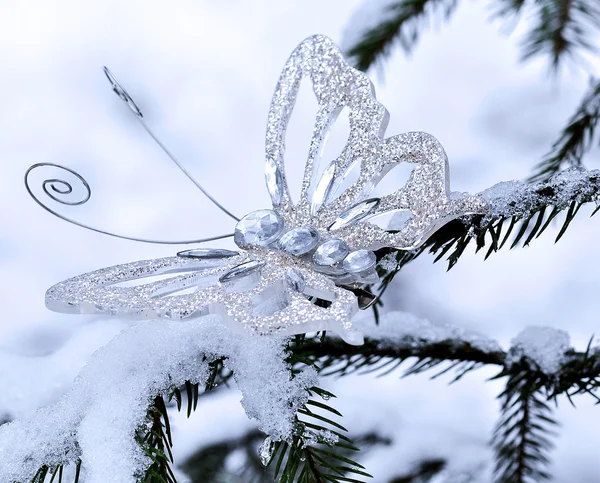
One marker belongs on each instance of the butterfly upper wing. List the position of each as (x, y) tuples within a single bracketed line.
[(337, 85)]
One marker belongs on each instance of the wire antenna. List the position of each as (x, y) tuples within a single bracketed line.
[(59, 190), (133, 107)]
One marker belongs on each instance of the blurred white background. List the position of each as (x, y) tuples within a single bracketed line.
[(203, 73)]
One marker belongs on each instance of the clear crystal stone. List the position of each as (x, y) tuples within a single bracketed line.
[(331, 252), (207, 253), (354, 214), (274, 180), (323, 188), (259, 229), (359, 261), (242, 270), (295, 279), (299, 241), (400, 219)]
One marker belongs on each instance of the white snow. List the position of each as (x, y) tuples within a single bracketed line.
[(98, 417), (402, 329), (389, 262), (543, 345), (515, 197)]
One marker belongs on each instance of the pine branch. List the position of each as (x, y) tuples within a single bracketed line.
[(47, 474), (579, 374), (563, 26), (333, 357), (401, 22), (521, 438), (156, 439), (525, 214), (315, 453), (576, 139)]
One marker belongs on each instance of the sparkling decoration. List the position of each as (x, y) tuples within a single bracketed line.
[(207, 253), (258, 229), (355, 214), (295, 279), (323, 189), (359, 261), (331, 252), (242, 270), (99, 293), (276, 285), (274, 180), (299, 241)]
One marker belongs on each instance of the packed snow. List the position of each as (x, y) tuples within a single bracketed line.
[(402, 329), (517, 198), (97, 419), (545, 346)]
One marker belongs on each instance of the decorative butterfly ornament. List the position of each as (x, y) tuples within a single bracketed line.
[(301, 266)]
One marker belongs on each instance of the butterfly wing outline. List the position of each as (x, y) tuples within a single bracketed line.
[(336, 86), (267, 301)]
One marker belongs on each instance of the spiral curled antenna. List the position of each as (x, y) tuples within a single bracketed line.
[(62, 191), (120, 91)]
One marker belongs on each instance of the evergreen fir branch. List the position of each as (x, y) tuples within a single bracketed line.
[(577, 138), (563, 26), (525, 216), (401, 22), (156, 441), (522, 435), (579, 374), (334, 357), (318, 452), (47, 474), (209, 463)]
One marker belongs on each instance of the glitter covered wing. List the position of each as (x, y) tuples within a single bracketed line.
[(273, 299), (336, 85)]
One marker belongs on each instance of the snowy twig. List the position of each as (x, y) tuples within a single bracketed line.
[(525, 210)]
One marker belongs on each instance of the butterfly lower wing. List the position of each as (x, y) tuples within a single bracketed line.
[(263, 301)]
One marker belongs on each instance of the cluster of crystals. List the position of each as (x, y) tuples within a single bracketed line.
[(332, 256)]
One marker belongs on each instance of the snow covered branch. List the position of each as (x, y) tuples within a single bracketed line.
[(98, 419), (525, 210)]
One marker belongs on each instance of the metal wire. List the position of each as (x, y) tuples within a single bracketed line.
[(58, 189), (133, 107)]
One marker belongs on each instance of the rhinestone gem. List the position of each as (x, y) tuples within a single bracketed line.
[(242, 270), (299, 241), (259, 228), (207, 253), (331, 252), (359, 261), (295, 279), (355, 213), (323, 188), (274, 180)]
